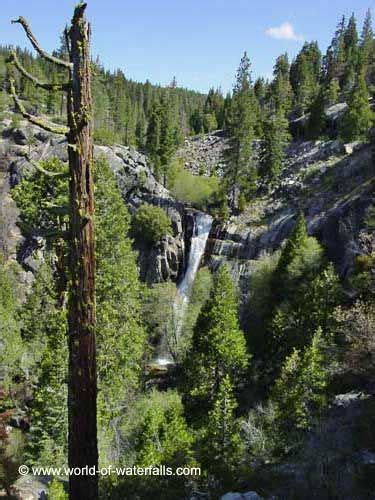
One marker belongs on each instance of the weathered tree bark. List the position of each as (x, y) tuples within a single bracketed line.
[(82, 385), (82, 363)]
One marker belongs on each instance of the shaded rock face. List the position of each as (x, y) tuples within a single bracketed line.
[(333, 114), (165, 260), (135, 179)]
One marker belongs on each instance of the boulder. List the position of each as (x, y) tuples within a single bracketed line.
[(250, 495), (21, 136)]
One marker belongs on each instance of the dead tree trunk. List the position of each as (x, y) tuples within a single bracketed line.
[(82, 364), (82, 385)]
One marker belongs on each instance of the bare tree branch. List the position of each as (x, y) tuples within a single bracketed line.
[(79, 11), (34, 42), (13, 59), (49, 127)]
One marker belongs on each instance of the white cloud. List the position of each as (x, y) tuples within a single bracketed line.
[(284, 32)]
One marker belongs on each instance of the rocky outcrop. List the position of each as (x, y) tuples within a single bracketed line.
[(333, 117), (135, 179), (165, 260), (204, 154), (30, 487), (332, 184)]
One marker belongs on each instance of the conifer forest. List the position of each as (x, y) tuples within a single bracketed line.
[(187, 277)]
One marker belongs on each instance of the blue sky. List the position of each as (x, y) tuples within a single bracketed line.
[(200, 42)]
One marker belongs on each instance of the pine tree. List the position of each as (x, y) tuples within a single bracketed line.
[(260, 89), (161, 137), (222, 446), (168, 138), (10, 338), (332, 92), (241, 172), (157, 435), (287, 395), (305, 76), (218, 345), (276, 137), (281, 88), (305, 292), (359, 117), (290, 251), (317, 119), (196, 121), (351, 54), (214, 106), (367, 42), (44, 331), (163, 437), (121, 337), (299, 393), (334, 61), (153, 135)]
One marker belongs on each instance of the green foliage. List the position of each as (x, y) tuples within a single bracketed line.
[(122, 107), (241, 173), (300, 392), (214, 106), (156, 434), (332, 92), (295, 320), (218, 346), (44, 331), (41, 199), (150, 224), (260, 301), (200, 293), (276, 137), (317, 119), (162, 135), (304, 76), (197, 190), (56, 491), (11, 347), (16, 121), (163, 436), (305, 293), (121, 338), (366, 45), (281, 89), (359, 116), (362, 280), (120, 334), (209, 122), (296, 251), (104, 137), (196, 121), (222, 446), (157, 307)]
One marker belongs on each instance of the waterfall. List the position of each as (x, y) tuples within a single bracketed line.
[(202, 227)]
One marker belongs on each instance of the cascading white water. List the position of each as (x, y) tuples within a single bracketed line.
[(202, 227)]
